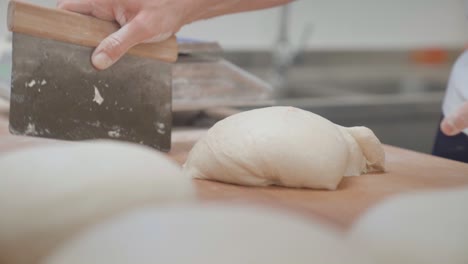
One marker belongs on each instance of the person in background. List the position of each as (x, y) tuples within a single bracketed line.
[(156, 20), (452, 138)]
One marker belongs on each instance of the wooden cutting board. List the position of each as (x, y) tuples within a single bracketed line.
[(407, 171)]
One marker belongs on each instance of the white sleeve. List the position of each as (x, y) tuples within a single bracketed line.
[(457, 89)]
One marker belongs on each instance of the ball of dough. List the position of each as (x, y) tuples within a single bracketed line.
[(279, 146), (48, 193), (418, 228), (206, 234)]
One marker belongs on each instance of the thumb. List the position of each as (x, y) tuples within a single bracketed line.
[(456, 122), (112, 48)]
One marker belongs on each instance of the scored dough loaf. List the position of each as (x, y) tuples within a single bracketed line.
[(48, 193), (284, 146)]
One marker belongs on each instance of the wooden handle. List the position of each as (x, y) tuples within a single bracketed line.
[(78, 29)]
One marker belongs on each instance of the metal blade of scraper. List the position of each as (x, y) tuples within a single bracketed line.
[(56, 93)]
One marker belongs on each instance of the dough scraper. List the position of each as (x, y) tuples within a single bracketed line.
[(57, 93)]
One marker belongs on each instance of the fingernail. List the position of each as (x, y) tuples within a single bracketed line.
[(102, 61)]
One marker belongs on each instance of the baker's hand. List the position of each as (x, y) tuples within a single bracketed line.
[(456, 122), (152, 20), (141, 21)]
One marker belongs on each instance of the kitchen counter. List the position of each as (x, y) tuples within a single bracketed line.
[(407, 171)]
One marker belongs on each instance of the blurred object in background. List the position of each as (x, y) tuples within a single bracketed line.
[(284, 54), (430, 56), (5, 68), (5, 52), (202, 79), (400, 100), (3, 26), (203, 82)]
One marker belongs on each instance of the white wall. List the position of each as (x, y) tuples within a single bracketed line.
[(359, 24), (3, 29), (346, 24)]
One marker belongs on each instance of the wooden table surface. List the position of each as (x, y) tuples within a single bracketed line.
[(407, 171)]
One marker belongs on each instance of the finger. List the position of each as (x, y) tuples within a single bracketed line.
[(457, 122), (78, 6), (86, 7), (117, 44)]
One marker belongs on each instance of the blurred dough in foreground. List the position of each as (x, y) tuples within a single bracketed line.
[(48, 193), (428, 227), (207, 234)]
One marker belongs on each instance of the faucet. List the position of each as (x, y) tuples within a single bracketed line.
[(284, 54)]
